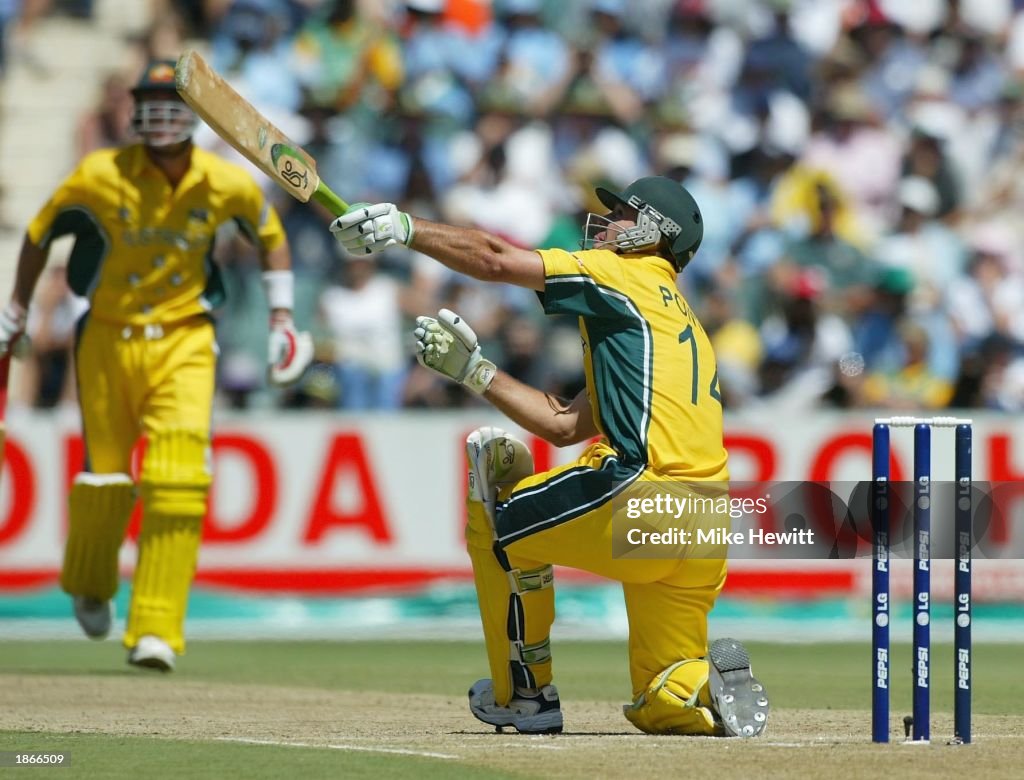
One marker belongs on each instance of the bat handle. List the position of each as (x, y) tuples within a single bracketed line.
[(326, 197)]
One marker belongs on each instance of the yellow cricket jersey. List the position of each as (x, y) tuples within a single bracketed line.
[(143, 251), (650, 368)]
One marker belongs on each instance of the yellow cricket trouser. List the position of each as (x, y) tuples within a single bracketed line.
[(157, 383), (564, 517)]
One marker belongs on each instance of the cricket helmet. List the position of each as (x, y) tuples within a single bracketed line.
[(668, 219), (161, 118)]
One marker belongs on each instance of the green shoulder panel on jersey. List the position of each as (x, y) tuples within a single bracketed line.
[(579, 294), (214, 293), (622, 359), (91, 246)]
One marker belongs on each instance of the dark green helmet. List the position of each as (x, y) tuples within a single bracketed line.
[(667, 217)]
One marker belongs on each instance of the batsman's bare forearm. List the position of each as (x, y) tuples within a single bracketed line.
[(31, 261), (277, 259), (542, 414), (478, 253)]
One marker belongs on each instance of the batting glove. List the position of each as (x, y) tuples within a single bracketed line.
[(366, 229), (13, 339), (289, 351), (449, 346)]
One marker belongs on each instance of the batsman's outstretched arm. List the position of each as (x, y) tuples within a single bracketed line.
[(31, 261), (367, 229), (542, 414), (478, 254)]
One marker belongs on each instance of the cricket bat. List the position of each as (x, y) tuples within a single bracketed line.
[(235, 120)]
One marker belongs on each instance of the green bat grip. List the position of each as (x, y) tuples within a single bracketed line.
[(326, 197)]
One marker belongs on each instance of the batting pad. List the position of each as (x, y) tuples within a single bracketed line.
[(492, 593), (517, 604), (176, 474), (99, 508), (168, 551), (677, 701), (175, 483)]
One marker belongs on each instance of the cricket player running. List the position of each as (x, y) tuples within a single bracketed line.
[(144, 219), (652, 397)]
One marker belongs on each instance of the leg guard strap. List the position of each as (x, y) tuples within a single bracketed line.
[(534, 579)]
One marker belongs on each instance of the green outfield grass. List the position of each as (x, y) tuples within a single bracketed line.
[(799, 677), (101, 756), (802, 675)]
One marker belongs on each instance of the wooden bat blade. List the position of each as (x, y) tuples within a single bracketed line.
[(235, 120)]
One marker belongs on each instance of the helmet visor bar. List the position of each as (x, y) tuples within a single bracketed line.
[(600, 232), (163, 122)]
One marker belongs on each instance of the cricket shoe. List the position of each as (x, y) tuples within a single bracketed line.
[(538, 713), (737, 697), (94, 616), (152, 653)]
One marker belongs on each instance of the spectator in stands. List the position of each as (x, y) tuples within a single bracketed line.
[(921, 244), (251, 48), (345, 62), (363, 320), (802, 345), (862, 154), (913, 386), (533, 62), (848, 271), (18, 39), (926, 157), (776, 59)]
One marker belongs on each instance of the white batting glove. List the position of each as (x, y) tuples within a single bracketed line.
[(366, 229), (289, 351), (13, 338), (449, 346)]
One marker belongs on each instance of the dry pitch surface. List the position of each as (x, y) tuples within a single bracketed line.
[(598, 742)]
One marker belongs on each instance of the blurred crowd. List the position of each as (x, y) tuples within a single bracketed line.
[(858, 163)]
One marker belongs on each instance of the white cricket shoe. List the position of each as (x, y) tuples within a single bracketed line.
[(539, 713), (95, 616), (152, 653)]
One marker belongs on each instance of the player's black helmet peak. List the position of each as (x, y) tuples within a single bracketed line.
[(668, 218)]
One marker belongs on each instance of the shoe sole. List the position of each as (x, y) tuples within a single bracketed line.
[(544, 723), (740, 699), (157, 664), (97, 635)]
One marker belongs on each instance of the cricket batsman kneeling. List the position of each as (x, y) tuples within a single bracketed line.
[(652, 397), (144, 219)]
